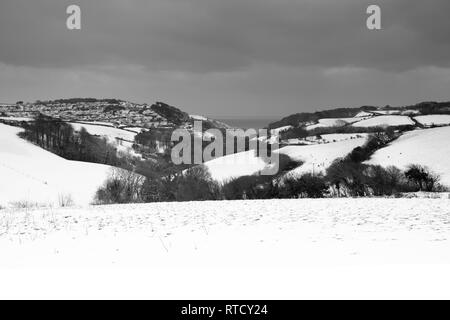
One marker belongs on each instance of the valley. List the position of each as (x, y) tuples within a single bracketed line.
[(313, 142)]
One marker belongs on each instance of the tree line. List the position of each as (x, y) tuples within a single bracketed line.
[(60, 138)]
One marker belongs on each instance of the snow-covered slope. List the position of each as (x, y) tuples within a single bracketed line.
[(16, 118), (385, 121), (387, 112), (364, 114), (317, 158), (33, 175), (197, 117), (234, 166), (429, 147), (434, 119), (122, 139), (333, 122), (410, 112), (281, 129), (335, 137), (108, 132)]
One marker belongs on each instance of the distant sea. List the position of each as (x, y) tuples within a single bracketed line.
[(247, 123)]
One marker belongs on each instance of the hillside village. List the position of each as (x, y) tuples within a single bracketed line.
[(120, 114)]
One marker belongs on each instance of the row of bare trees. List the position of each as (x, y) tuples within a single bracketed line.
[(342, 179), (60, 138)]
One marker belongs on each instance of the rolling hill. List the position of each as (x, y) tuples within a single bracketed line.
[(435, 119), (428, 147), (385, 121), (315, 158), (31, 175)]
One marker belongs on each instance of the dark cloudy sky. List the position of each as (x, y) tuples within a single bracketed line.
[(227, 58)]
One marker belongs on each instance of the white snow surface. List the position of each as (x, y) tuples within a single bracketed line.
[(236, 165), (334, 137), (110, 133), (281, 129), (333, 122), (271, 249), (317, 158), (16, 118), (434, 119), (364, 114), (122, 139), (197, 117), (29, 174), (385, 121), (99, 123), (388, 112), (135, 129), (410, 112), (428, 147)]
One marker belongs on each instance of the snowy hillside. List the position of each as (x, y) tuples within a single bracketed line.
[(317, 158), (234, 166), (427, 147), (385, 121), (16, 119), (122, 139), (363, 114), (340, 122), (387, 112), (435, 119), (342, 136), (110, 133), (281, 129), (33, 175)]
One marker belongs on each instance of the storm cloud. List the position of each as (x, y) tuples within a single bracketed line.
[(298, 54)]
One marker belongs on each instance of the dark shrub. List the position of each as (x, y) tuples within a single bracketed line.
[(347, 178), (294, 133), (305, 186), (196, 184), (422, 177), (250, 187), (122, 186), (386, 182)]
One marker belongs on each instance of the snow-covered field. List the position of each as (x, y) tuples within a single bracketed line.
[(335, 137), (382, 121), (427, 147), (317, 158), (331, 122), (110, 133), (364, 114), (236, 165), (281, 129), (135, 129), (16, 118), (197, 117), (324, 248), (387, 112), (434, 119), (122, 139), (30, 175)]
